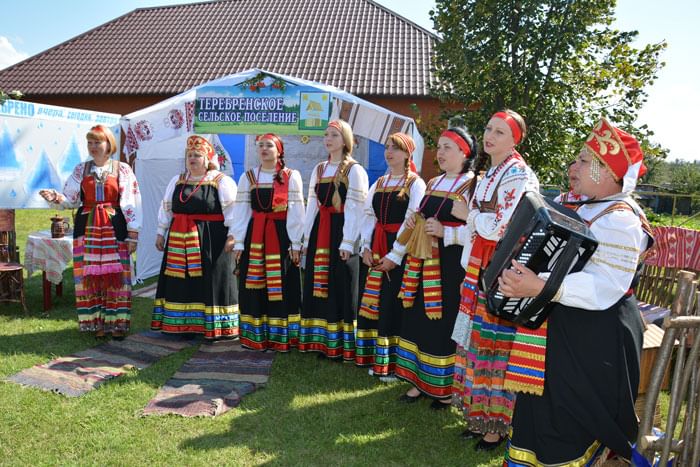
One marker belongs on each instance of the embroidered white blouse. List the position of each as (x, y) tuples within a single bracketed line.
[(129, 193), (507, 182), (608, 274), (243, 212), (415, 195), (227, 196), (354, 203)]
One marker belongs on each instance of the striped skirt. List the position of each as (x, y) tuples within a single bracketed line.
[(102, 309)]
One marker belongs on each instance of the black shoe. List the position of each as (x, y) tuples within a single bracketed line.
[(438, 405), (321, 356), (410, 399), (488, 445), (469, 434)]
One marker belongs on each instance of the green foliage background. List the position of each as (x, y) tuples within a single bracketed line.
[(559, 63)]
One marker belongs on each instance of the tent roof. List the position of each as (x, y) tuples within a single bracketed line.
[(236, 78)]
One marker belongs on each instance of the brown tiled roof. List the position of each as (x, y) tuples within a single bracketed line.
[(356, 45)]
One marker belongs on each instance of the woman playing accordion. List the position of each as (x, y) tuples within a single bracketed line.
[(594, 333)]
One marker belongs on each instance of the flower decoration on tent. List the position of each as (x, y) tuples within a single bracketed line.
[(189, 115), (257, 82), (175, 119), (144, 130)]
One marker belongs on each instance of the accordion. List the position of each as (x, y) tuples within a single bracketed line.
[(545, 237)]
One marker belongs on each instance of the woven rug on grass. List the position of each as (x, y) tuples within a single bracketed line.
[(76, 374), (213, 381)]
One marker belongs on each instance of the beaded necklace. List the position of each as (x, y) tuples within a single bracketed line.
[(430, 192), (184, 201), (493, 177), (384, 209)]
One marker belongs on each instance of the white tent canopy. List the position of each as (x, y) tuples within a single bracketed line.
[(157, 135)]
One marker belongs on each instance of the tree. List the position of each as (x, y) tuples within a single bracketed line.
[(685, 177), (559, 63), (11, 95)]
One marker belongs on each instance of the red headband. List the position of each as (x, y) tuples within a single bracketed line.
[(275, 139), (514, 127), (463, 145), (336, 124)]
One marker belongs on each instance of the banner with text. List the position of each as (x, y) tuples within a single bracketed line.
[(40, 145), (262, 104)]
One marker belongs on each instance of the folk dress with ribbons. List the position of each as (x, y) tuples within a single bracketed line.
[(484, 341), (330, 289), (593, 353), (268, 221), (379, 317), (430, 296), (196, 291), (109, 206)]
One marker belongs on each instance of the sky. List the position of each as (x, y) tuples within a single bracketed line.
[(32, 26)]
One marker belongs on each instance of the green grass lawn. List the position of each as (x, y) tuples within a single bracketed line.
[(312, 412)]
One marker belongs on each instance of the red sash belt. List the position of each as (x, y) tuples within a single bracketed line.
[(106, 204), (427, 271), (264, 261), (322, 255), (482, 251), (369, 303), (184, 254), (102, 267), (379, 243)]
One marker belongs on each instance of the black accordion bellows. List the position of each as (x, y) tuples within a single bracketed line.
[(545, 237)]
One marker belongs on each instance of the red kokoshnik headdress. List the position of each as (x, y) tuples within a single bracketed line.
[(619, 151)]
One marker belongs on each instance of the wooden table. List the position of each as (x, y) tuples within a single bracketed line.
[(50, 255)]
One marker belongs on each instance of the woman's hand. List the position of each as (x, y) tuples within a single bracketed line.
[(385, 265), (237, 255), (367, 258), (460, 210), (434, 227), (160, 242), (520, 282), (345, 255), (411, 222), (295, 256), (52, 196), (230, 243)]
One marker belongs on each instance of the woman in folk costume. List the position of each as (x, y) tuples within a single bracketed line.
[(337, 192), (196, 291), (595, 331), (483, 340), (392, 198), (268, 227), (431, 278), (106, 230)]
